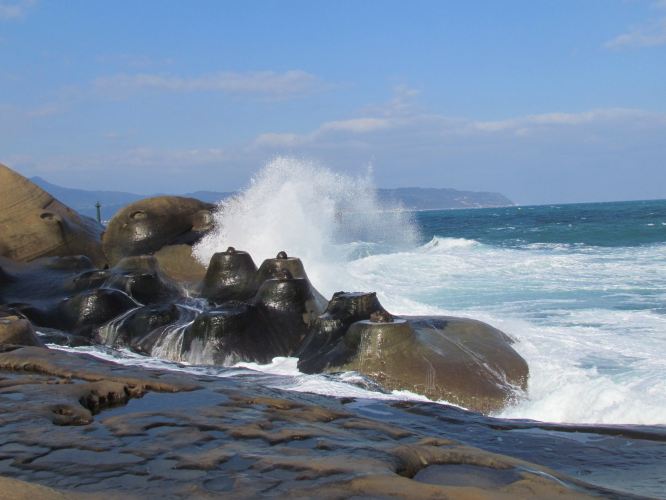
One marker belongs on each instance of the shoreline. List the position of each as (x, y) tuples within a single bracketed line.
[(226, 437)]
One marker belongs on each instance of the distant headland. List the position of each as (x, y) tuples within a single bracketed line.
[(411, 198)]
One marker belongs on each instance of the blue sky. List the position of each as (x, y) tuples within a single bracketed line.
[(544, 101)]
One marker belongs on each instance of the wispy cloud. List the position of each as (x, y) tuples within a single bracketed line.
[(267, 83), (564, 119), (649, 34), (14, 9), (418, 129)]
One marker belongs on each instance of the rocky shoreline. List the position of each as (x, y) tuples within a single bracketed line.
[(78, 424), (83, 426)]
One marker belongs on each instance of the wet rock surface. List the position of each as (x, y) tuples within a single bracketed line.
[(243, 313), (151, 301), (73, 423), (148, 225)]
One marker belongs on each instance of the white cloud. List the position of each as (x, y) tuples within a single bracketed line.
[(560, 119), (356, 125), (417, 130), (649, 34), (14, 9), (268, 83)]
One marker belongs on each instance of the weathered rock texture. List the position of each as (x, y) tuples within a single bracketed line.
[(33, 224), (148, 226), (258, 314), (204, 437)]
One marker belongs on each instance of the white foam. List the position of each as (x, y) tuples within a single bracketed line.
[(306, 210), (590, 321)]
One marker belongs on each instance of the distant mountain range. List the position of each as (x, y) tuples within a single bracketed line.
[(411, 198)]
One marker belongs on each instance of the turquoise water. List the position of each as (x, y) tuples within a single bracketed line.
[(618, 224), (582, 288)]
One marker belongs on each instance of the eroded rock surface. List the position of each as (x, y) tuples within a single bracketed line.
[(208, 437), (148, 225), (255, 314), (33, 224)]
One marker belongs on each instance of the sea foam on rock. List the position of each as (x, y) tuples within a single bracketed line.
[(239, 312), (272, 314)]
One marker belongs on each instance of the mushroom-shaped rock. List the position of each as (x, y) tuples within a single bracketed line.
[(33, 224), (462, 361), (271, 268), (343, 309), (231, 275), (142, 279), (147, 225), (228, 334), (289, 305), (140, 329), (84, 312)]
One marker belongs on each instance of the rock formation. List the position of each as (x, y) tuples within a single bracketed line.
[(153, 225), (33, 224)]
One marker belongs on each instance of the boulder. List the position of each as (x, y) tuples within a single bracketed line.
[(83, 313), (229, 333), (231, 275), (461, 361), (141, 278), (146, 226), (323, 340), (178, 263), (15, 329), (33, 224)]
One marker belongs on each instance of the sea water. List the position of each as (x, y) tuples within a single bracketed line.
[(581, 288)]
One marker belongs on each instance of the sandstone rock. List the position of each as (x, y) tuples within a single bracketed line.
[(17, 330), (145, 226), (462, 361), (33, 224)]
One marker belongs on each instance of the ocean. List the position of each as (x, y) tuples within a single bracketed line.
[(581, 288)]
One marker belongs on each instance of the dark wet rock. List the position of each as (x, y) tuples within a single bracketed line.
[(141, 277), (289, 305), (229, 333), (463, 361), (83, 313), (231, 275), (16, 329), (87, 280), (33, 224), (144, 227), (215, 437), (68, 294), (261, 314), (323, 342), (43, 279), (270, 267), (140, 329), (61, 338)]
